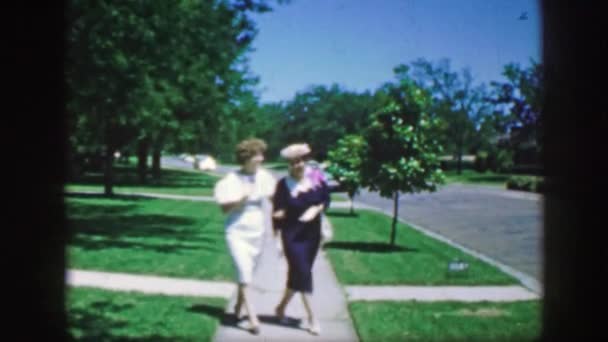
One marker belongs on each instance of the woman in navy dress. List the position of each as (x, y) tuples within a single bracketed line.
[(298, 203)]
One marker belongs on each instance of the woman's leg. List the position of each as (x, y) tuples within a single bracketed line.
[(280, 309), (239, 303), (253, 318), (312, 251), (314, 324)]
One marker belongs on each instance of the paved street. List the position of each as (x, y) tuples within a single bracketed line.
[(502, 224)]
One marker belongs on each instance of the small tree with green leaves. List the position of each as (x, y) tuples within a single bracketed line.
[(345, 164), (402, 156)]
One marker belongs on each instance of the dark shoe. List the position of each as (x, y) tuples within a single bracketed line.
[(281, 316)]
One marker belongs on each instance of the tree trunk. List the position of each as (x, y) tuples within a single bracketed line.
[(142, 160), (108, 160), (351, 197), (460, 152), (459, 161), (395, 212), (108, 170), (156, 163), (156, 154)]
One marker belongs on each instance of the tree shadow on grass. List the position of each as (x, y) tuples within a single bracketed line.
[(94, 324), (117, 207), (368, 247), (160, 233), (95, 226), (127, 176), (342, 214), (118, 198), (174, 248)]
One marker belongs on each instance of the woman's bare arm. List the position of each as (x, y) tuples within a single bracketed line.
[(227, 207)]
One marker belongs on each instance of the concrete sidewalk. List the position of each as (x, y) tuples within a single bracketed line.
[(149, 284), (441, 293), (329, 303), (202, 288)]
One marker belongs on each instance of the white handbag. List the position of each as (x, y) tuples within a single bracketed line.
[(326, 231)]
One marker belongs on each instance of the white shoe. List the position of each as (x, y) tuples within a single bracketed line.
[(314, 328)]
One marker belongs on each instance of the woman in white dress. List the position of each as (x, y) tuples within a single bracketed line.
[(240, 194)]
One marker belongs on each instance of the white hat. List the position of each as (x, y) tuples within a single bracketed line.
[(295, 151)]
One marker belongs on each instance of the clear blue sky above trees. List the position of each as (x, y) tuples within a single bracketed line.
[(357, 43)]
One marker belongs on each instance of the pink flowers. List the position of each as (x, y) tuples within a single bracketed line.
[(316, 176)]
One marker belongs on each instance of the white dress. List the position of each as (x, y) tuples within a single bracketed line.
[(245, 226)]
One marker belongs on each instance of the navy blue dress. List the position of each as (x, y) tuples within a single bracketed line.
[(301, 240)]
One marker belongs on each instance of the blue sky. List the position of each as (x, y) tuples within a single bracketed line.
[(356, 43)]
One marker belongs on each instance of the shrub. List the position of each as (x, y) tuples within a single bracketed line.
[(526, 183), (504, 161), (481, 161)]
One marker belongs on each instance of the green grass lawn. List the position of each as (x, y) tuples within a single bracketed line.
[(147, 236), (276, 166), (339, 197), (178, 182), (361, 254), (446, 321), (98, 315), (473, 177)]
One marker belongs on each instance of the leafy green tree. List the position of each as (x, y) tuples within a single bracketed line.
[(402, 155), (345, 162), (154, 72), (492, 152), (519, 99), (459, 104), (269, 119), (102, 70), (321, 115)]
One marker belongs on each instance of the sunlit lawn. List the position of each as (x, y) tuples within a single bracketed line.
[(446, 321), (338, 197), (98, 315), (473, 177), (361, 254), (147, 236)]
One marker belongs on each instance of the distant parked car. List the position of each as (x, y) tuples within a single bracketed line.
[(204, 162), (188, 158)]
